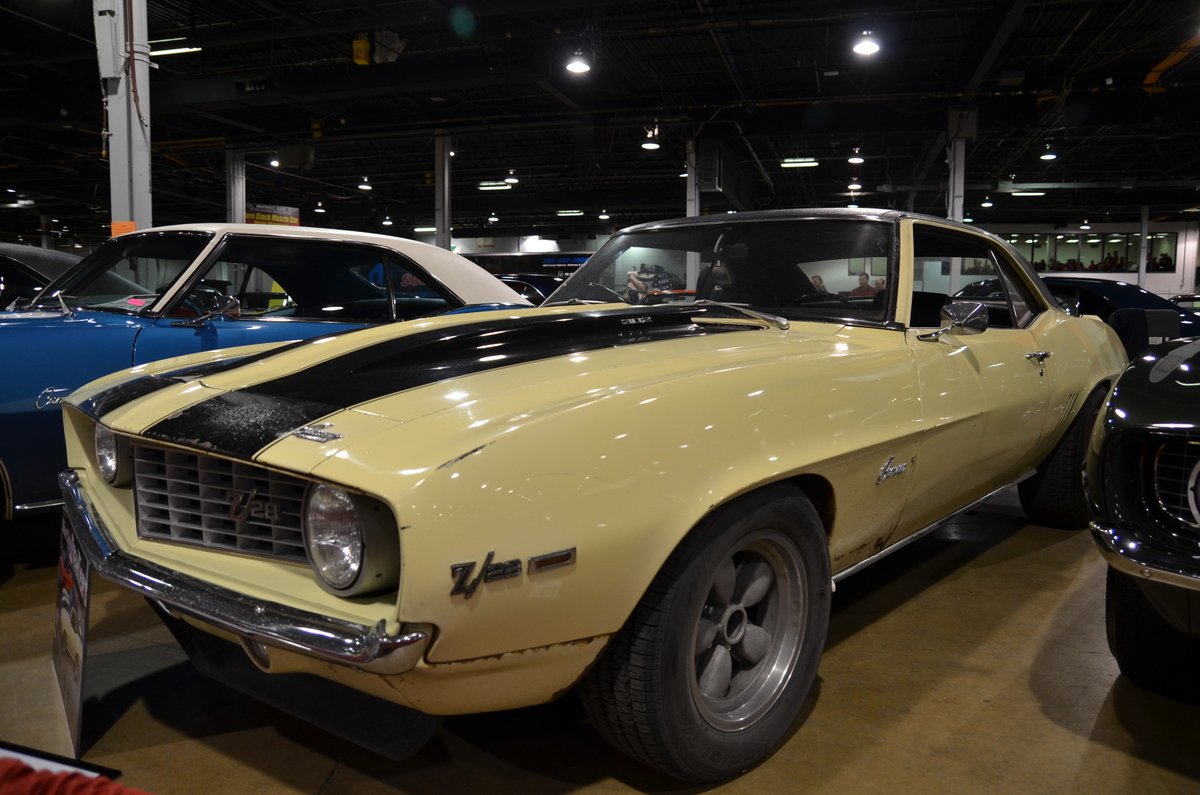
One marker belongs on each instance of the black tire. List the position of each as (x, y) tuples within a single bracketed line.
[(710, 671), (1153, 654), (1055, 495)]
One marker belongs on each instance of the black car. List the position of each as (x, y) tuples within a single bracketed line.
[(1143, 479), (1138, 316), (24, 270), (533, 287)]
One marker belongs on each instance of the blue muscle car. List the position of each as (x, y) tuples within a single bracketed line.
[(183, 289)]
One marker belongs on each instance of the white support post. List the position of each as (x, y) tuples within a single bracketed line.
[(124, 59)]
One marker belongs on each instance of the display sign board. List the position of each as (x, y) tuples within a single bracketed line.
[(275, 214), (70, 630)]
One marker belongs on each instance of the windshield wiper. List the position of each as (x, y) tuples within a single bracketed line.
[(576, 302), (778, 322), (66, 310)]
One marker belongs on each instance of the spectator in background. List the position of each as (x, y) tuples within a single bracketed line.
[(879, 285), (1164, 262), (864, 287), (819, 284)]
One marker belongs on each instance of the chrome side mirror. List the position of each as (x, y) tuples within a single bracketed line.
[(960, 317), (227, 306)]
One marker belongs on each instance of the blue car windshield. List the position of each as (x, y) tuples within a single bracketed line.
[(126, 274)]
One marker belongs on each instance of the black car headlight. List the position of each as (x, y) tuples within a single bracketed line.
[(351, 539), (112, 456)]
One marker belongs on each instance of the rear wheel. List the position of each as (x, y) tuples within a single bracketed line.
[(1055, 495), (1152, 653), (708, 675)]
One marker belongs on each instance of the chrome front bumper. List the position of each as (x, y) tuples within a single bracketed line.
[(252, 620), (1131, 552)]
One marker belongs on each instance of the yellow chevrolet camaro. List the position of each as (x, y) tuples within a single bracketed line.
[(646, 488)]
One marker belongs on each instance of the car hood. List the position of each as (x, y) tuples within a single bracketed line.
[(1160, 388), (452, 385), (55, 319)]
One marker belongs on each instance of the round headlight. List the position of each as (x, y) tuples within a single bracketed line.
[(333, 531), (108, 459)]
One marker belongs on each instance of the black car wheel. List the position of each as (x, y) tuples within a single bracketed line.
[(1055, 495), (709, 673), (1152, 653)]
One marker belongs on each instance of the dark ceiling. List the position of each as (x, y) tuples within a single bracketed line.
[(1111, 86)]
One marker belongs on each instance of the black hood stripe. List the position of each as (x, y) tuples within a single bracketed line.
[(128, 391), (242, 422)]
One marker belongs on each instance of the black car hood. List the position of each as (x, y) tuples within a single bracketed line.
[(1161, 388)]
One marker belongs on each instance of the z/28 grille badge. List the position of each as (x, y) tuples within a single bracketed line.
[(466, 585)]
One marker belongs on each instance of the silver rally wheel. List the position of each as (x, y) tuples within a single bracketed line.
[(709, 673), (750, 631)]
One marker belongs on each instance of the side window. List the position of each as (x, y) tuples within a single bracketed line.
[(314, 280), (15, 283), (987, 277)]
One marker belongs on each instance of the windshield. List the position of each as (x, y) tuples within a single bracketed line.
[(810, 269), (127, 273)]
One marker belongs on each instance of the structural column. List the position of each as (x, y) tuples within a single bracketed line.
[(1144, 249), (235, 186), (441, 182), (124, 58)]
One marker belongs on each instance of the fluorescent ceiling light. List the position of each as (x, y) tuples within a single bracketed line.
[(365, 184), (854, 186), (493, 218), (176, 51), (968, 220), (1029, 193), (424, 228), (852, 206), (855, 159), (565, 213), (511, 179), (987, 202), (494, 185), (798, 162), (603, 216)]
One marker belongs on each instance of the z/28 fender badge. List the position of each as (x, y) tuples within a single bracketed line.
[(466, 585)]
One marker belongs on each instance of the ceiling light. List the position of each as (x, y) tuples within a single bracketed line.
[(987, 202), (684, 174), (175, 51), (566, 213), (1029, 193), (1048, 154), (852, 206), (968, 220), (855, 159), (493, 218), (866, 45), (651, 141), (855, 185), (453, 153), (275, 161), (798, 162), (511, 179), (365, 184), (603, 216), (579, 63), (424, 228), (1085, 226), (494, 185), (319, 208), (387, 220)]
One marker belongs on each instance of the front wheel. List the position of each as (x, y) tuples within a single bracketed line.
[(709, 673), (1152, 653)]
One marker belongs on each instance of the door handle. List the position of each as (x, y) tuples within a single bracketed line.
[(1040, 356)]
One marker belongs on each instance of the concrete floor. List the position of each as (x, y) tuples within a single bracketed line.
[(972, 661)]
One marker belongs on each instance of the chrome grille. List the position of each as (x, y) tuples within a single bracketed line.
[(212, 502), (1173, 465)]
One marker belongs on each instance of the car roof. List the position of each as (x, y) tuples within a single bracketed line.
[(46, 261), (463, 277)]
